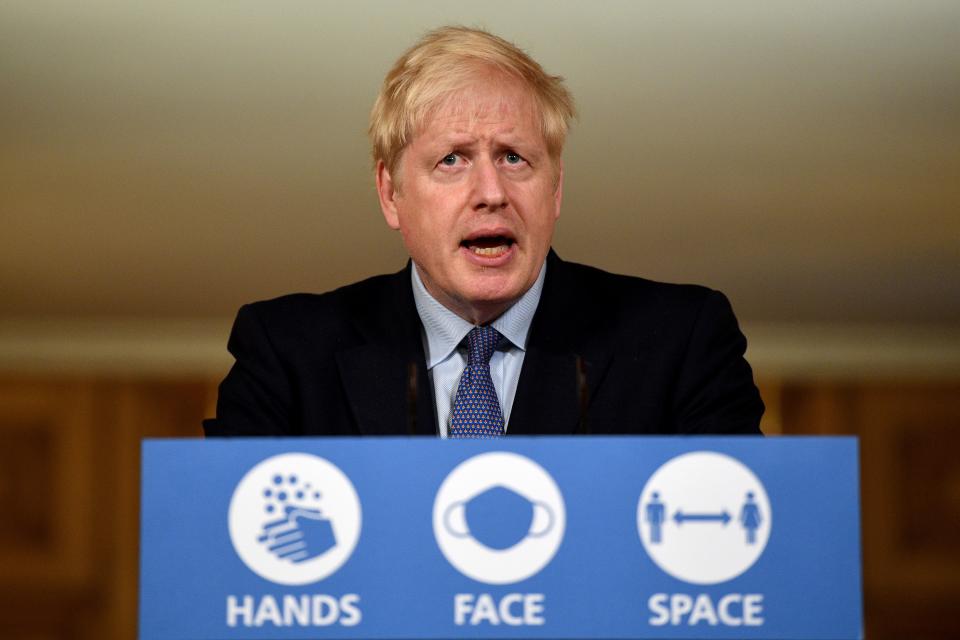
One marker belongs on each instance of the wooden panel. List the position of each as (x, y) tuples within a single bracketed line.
[(46, 481), (908, 437), (928, 492), (26, 488), (140, 409), (69, 495), (910, 494)]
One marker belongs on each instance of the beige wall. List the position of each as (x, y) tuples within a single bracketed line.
[(178, 159)]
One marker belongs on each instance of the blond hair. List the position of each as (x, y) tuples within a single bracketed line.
[(445, 61)]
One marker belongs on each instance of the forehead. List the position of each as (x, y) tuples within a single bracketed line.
[(495, 104)]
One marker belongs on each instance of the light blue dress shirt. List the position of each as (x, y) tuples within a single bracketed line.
[(446, 353)]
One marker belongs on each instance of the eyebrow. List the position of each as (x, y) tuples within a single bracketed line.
[(463, 138)]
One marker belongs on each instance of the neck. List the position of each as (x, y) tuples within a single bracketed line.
[(479, 314)]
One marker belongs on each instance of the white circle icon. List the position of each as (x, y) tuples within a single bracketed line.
[(499, 518), (294, 518), (704, 517)]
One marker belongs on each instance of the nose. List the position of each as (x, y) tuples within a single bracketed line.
[(488, 186)]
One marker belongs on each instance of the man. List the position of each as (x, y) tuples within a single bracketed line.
[(486, 332)]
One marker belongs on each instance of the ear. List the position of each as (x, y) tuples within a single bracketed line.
[(558, 190), (388, 192)]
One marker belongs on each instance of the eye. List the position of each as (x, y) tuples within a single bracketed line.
[(450, 159), (513, 158)]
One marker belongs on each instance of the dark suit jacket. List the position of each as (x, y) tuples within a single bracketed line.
[(607, 354)]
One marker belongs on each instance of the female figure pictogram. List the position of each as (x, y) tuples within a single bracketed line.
[(750, 518)]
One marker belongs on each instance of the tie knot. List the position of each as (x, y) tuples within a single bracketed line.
[(481, 343)]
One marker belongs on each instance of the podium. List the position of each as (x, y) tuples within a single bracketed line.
[(567, 537)]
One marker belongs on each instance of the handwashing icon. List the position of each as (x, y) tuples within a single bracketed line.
[(302, 534)]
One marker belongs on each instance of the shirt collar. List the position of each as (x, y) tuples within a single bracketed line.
[(445, 330)]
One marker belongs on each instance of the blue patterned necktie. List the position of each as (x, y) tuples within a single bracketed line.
[(476, 410)]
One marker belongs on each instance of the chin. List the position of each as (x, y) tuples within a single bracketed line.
[(495, 296)]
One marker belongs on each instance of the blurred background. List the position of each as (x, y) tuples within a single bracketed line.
[(163, 163)]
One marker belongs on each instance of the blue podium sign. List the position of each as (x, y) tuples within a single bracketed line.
[(509, 538)]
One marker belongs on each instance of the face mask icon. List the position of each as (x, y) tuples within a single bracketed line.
[(498, 518)]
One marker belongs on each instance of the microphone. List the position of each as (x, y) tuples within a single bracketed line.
[(583, 393), (412, 398)]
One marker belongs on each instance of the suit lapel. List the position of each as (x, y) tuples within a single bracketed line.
[(385, 378), (565, 353), (546, 400)]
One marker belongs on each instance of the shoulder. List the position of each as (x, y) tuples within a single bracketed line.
[(333, 317), (615, 283), (630, 295), (340, 305), (674, 345)]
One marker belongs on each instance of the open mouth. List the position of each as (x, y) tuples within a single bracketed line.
[(488, 246)]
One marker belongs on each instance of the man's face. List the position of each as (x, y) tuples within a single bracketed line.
[(476, 196)]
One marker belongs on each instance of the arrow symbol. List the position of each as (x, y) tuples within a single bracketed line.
[(680, 517)]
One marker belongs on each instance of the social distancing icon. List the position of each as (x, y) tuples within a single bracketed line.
[(704, 517)]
